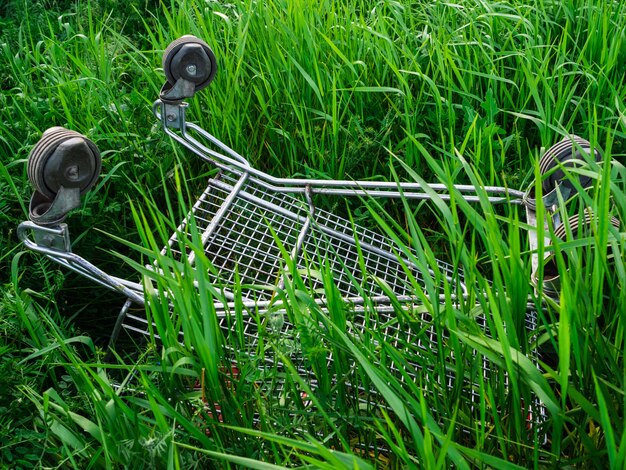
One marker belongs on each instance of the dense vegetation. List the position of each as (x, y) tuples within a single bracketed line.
[(459, 92)]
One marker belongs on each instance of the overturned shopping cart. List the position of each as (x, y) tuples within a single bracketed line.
[(258, 230)]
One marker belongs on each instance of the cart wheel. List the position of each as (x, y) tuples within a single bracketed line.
[(566, 153), (189, 58), (63, 158), (580, 226)]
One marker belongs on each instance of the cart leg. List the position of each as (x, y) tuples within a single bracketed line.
[(118, 325)]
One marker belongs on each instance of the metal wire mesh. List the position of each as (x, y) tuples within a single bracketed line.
[(244, 226), (268, 338), (256, 223)]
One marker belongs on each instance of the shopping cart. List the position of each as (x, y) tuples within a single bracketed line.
[(251, 224)]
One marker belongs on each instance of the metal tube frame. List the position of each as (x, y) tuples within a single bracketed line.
[(47, 238), (173, 117)]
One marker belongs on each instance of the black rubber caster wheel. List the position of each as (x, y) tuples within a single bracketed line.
[(580, 227), (566, 153), (63, 158), (189, 58)]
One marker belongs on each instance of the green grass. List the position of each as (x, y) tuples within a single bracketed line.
[(452, 92)]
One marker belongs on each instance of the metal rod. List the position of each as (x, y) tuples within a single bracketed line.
[(77, 263), (319, 186), (295, 254), (219, 215)]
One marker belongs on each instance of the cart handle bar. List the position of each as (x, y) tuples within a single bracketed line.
[(173, 116)]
